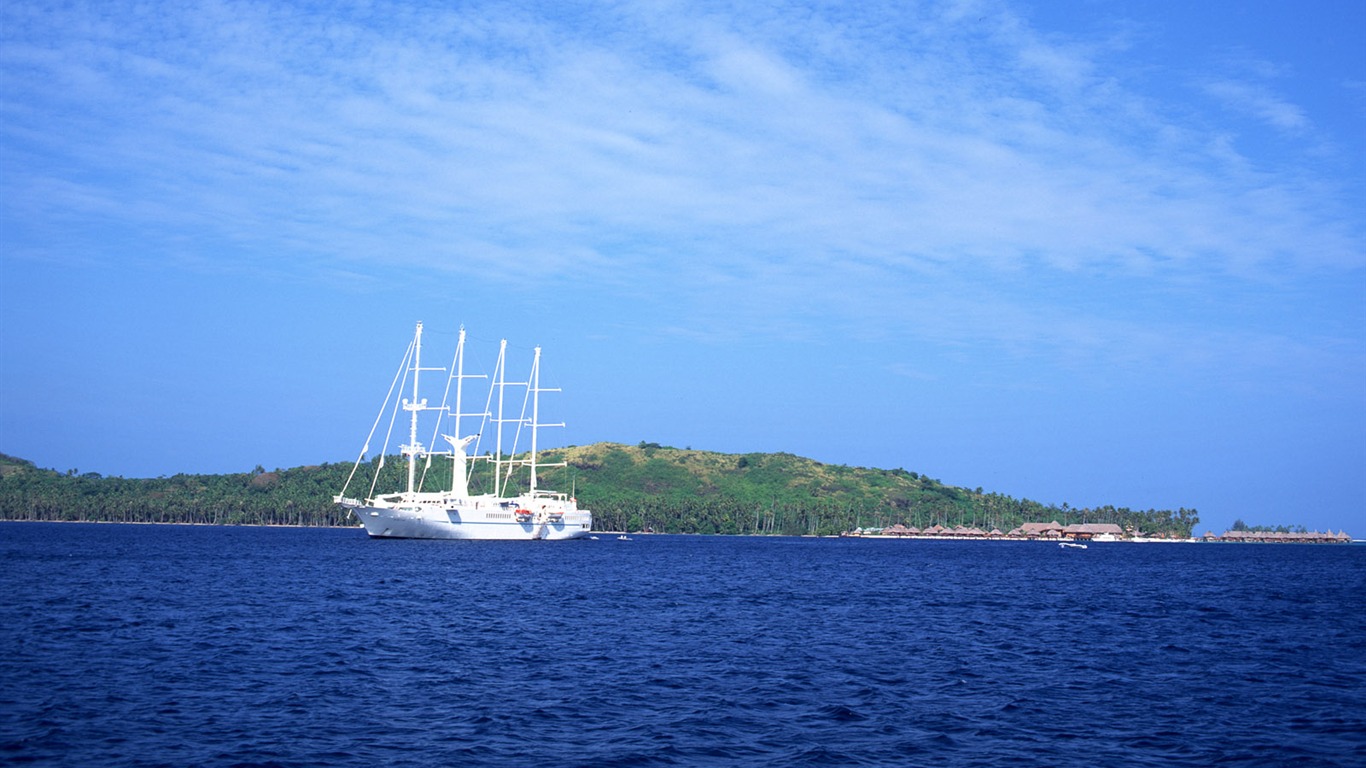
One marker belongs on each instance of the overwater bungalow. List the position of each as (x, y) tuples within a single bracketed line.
[(1051, 530), (1096, 531), (1284, 537)]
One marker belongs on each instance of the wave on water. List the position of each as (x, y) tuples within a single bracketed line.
[(170, 645)]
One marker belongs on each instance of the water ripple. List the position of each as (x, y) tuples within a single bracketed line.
[(150, 645)]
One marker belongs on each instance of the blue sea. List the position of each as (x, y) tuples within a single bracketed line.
[(139, 645)]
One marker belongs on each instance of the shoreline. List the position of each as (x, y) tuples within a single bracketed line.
[(359, 527), (1193, 540), (202, 525)]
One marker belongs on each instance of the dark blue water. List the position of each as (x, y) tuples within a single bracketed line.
[(164, 645)]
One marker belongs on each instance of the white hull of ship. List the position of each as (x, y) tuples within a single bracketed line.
[(466, 523)]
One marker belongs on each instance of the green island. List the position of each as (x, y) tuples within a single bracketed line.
[(644, 487)]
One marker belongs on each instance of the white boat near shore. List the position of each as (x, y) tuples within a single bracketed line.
[(1071, 545), (526, 512)]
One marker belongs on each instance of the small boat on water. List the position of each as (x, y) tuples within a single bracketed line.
[(623, 537), (512, 507), (1071, 545)]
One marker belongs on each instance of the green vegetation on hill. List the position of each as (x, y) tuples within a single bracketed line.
[(649, 486), (301, 496), (1239, 525), (641, 487)]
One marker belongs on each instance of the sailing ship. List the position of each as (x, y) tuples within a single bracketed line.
[(513, 506)]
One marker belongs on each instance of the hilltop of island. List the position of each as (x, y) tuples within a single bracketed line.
[(642, 487), (639, 487)]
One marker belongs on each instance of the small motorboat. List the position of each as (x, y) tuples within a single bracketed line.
[(623, 537), (1071, 545)]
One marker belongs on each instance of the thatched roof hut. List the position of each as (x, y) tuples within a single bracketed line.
[(1092, 530), (1051, 530)]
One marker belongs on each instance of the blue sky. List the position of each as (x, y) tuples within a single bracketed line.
[(1094, 251)]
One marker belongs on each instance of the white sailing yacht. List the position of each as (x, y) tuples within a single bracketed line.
[(503, 512)]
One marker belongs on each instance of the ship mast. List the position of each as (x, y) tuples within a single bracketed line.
[(459, 380), (535, 411), (536, 424), (459, 467), (499, 381), (414, 406), (459, 458)]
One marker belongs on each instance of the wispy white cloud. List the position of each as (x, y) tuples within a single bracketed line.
[(765, 155), (1259, 101)]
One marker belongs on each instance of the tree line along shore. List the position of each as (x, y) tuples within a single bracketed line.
[(628, 487)]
